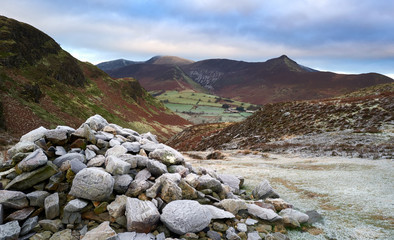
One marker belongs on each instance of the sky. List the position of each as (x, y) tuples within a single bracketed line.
[(346, 36)]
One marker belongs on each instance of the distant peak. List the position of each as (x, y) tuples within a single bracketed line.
[(169, 60), (284, 57)]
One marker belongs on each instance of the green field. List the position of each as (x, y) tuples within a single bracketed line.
[(203, 108)]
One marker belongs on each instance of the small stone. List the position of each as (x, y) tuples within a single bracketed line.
[(116, 151), (56, 136), (263, 213), (130, 159), (188, 192), (133, 147), (13, 199), (314, 217), (156, 168), (251, 221), (167, 155), (75, 205), (96, 122), (84, 131), (143, 175), (264, 190), (218, 213), (28, 225), (51, 225), (290, 222), (213, 235), (279, 204), (208, 182), (276, 236), (142, 216), (189, 236), (10, 230), (114, 142), (101, 232), (52, 206), (89, 154), (220, 227), (20, 215), (254, 236), (170, 191), (242, 227), (117, 208), (231, 181), (32, 161), (137, 187), (233, 205), (41, 236), (60, 151), (97, 161), (71, 217), (297, 215), (77, 166), (231, 235), (68, 157), (122, 183), (102, 207), (65, 234), (115, 166)]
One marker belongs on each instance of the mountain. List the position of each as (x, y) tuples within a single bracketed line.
[(105, 66), (171, 60), (359, 124), (42, 85), (276, 80)]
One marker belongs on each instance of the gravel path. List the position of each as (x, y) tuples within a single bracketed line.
[(355, 196)]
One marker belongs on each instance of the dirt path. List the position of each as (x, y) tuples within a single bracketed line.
[(355, 196)]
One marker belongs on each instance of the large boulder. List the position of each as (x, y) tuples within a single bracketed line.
[(92, 183), (142, 216), (29, 179), (185, 216)]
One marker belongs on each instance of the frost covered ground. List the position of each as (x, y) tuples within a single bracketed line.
[(355, 196)]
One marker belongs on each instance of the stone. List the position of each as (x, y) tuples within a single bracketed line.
[(28, 225), (254, 236), (290, 222), (231, 234), (56, 136), (75, 205), (142, 161), (130, 159), (34, 135), (51, 225), (41, 236), (96, 122), (101, 232), (142, 216), (220, 227), (77, 145), (1, 214), (68, 157), (133, 147), (10, 230), (214, 235), (117, 208), (137, 187), (114, 142), (156, 168), (233, 205), (276, 236), (263, 213), (178, 169), (13, 199), (251, 221), (192, 180), (52, 209), (143, 175), (188, 192), (167, 155), (231, 181), (65, 234), (115, 166), (297, 215), (71, 217), (170, 191), (77, 166), (60, 151), (84, 131), (116, 151), (20, 215), (242, 227), (183, 216), (102, 207), (149, 136), (218, 213), (208, 182), (92, 183), (21, 147), (278, 203), (189, 236), (264, 205), (97, 161), (33, 160), (89, 154), (122, 183), (263, 191)]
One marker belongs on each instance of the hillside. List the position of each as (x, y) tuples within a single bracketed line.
[(360, 124), (105, 66), (43, 85), (276, 80)]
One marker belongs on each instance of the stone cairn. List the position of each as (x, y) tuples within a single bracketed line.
[(102, 181)]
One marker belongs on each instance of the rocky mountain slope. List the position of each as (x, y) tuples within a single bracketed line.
[(43, 85), (102, 181), (360, 124), (276, 80)]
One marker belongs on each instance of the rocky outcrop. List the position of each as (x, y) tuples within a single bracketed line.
[(58, 188)]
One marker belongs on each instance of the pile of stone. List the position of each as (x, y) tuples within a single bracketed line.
[(102, 181)]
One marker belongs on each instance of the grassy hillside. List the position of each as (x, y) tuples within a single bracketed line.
[(41, 84), (204, 108)]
